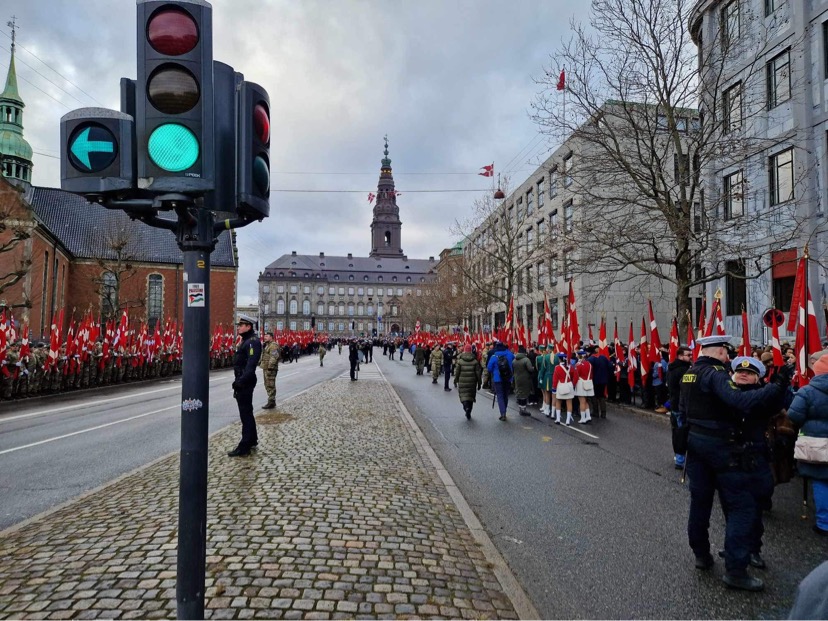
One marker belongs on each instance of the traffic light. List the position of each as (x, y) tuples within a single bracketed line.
[(226, 84), (253, 151), (174, 97), (96, 151)]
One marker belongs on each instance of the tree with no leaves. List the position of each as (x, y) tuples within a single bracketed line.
[(12, 233), (653, 118)]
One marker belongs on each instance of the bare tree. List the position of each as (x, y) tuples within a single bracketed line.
[(12, 233), (116, 257), (651, 119)]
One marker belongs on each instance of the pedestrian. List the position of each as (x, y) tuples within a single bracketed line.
[(436, 362), (321, 351), (468, 377), (524, 387), (247, 358), (602, 371), (675, 371), (420, 358), (544, 379), (660, 390), (270, 368), (715, 457), (500, 367), (584, 386), (809, 412), (563, 389), (812, 595), (448, 362), (353, 358)]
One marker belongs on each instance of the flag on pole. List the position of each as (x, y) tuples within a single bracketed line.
[(572, 321), (619, 352), (674, 341), (716, 320), (655, 345), (691, 339), (371, 197), (632, 362), (807, 331), (644, 352), (778, 361), (488, 171), (562, 80), (603, 350), (701, 329), (744, 347)]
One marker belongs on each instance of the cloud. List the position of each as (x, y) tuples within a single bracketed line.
[(449, 82)]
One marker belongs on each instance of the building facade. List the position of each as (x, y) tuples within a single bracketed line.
[(764, 66), (348, 295)]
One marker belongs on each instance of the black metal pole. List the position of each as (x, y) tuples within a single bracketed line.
[(196, 240)]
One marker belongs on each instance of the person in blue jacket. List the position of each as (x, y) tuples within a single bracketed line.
[(501, 387), (809, 412), (601, 371)]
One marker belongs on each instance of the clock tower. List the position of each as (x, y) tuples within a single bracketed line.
[(386, 227)]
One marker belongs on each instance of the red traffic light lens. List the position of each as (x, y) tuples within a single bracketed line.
[(172, 89), (172, 31), (261, 123)]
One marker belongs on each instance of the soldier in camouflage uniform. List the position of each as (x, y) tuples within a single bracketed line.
[(35, 369), (9, 373), (269, 363)]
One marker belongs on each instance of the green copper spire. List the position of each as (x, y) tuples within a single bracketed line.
[(15, 152)]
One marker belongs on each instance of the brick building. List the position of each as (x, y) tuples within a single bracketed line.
[(59, 251)]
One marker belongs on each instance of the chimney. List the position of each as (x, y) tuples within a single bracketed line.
[(431, 259), (350, 256), (321, 255), (293, 253)]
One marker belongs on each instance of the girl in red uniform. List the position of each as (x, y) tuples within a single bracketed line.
[(563, 388), (583, 386)]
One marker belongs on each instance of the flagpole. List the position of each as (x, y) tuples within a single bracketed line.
[(805, 347)]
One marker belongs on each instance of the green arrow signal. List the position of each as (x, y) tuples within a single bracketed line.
[(82, 147)]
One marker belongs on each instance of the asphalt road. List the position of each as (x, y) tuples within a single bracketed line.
[(54, 449), (592, 519)]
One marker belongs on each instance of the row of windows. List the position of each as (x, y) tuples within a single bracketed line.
[(351, 277), (333, 309), (337, 290), (155, 296), (731, 20), (332, 326)]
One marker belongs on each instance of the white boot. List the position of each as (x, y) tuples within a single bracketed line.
[(545, 410), (587, 416), (568, 418), (557, 417)]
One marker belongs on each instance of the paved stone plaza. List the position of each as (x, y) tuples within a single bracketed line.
[(339, 514)]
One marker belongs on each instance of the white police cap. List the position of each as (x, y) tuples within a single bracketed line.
[(716, 340), (748, 363)]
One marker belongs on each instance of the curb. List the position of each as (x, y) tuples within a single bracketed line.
[(511, 587)]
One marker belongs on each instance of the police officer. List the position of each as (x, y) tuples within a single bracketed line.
[(716, 457), (247, 358)]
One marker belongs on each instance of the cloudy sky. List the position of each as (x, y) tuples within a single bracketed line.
[(449, 81)]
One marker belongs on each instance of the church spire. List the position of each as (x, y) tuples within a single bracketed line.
[(15, 152), (386, 227)]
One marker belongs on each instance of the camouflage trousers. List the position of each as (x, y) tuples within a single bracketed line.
[(270, 385)]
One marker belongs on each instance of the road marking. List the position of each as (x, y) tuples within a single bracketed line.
[(75, 433), (100, 401)]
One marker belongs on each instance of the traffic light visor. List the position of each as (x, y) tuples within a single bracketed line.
[(172, 31)]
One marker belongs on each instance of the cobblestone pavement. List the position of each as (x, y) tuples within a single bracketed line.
[(340, 514)]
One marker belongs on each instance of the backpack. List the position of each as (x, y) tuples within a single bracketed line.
[(504, 369)]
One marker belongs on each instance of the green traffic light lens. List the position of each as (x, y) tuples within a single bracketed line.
[(261, 176), (173, 147)]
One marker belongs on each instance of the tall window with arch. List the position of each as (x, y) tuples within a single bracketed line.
[(280, 306), (294, 307), (109, 295), (306, 307), (155, 298)]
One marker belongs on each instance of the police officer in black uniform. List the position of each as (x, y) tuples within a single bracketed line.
[(712, 408), (247, 358)]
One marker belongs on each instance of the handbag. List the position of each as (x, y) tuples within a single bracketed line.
[(565, 389), (587, 383), (811, 450)]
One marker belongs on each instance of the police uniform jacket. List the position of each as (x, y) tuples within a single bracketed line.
[(711, 402), (248, 354)]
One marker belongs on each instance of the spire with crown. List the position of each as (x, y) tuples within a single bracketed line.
[(386, 227), (15, 152)]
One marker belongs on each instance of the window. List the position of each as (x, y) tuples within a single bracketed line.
[(361, 291), (280, 307), (331, 290), (294, 307), (265, 288), (350, 277), (351, 309), (825, 49), (294, 289), (370, 291), (772, 5), (781, 177), (350, 291), (380, 292), (306, 289), (540, 193), (341, 327), (520, 283), (735, 287), (342, 291), (390, 291), (553, 184), (370, 309), (109, 294), (530, 239), (280, 288), (681, 168), (320, 291), (568, 216), (293, 325), (567, 268), (730, 23), (331, 326), (306, 325), (155, 298), (732, 100), (681, 124), (529, 280), (779, 79), (783, 272), (320, 308), (553, 270), (360, 309), (541, 272), (734, 197), (399, 292), (530, 203), (697, 217), (341, 309), (553, 312), (306, 307), (332, 309), (553, 221), (568, 164), (541, 230)]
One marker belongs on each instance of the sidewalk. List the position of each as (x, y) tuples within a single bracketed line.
[(340, 514)]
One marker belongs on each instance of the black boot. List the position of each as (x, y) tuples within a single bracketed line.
[(745, 582), (240, 451), (704, 561)]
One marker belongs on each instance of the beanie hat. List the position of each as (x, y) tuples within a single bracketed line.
[(821, 366), (467, 349), (767, 358)]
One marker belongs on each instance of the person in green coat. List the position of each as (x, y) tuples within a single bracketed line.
[(543, 377), (468, 377), (523, 369)]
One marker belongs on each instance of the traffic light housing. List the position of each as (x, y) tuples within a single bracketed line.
[(253, 156), (96, 151), (174, 97)]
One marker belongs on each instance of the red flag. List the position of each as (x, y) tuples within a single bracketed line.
[(632, 361), (674, 341), (807, 332), (54, 340), (643, 352), (744, 348), (508, 328), (25, 348), (371, 197), (655, 341), (417, 327), (701, 329), (716, 319), (488, 171), (574, 332), (562, 80), (619, 352), (778, 361), (548, 333), (603, 350)]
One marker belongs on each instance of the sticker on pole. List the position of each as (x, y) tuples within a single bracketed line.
[(195, 294)]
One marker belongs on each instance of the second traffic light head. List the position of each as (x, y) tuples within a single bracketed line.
[(253, 156)]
